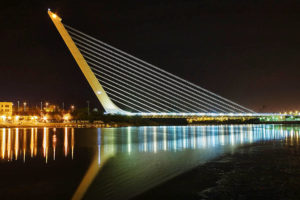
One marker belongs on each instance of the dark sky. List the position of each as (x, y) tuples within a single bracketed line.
[(245, 50)]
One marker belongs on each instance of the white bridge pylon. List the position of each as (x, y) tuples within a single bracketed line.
[(108, 105), (127, 85)]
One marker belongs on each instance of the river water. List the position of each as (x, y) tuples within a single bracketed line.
[(114, 163)]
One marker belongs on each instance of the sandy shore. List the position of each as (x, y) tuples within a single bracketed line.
[(261, 171)]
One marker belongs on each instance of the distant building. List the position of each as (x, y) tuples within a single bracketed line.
[(6, 108)]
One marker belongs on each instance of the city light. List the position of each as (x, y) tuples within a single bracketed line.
[(34, 118), (32, 115), (45, 119), (67, 117)]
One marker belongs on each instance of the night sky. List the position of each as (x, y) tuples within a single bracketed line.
[(247, 51)]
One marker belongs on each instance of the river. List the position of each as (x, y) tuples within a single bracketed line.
[(114, 163)]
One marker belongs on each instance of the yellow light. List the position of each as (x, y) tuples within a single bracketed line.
[(67, 117), (54, 16), (45, 118), (3, 117), (34, 118)]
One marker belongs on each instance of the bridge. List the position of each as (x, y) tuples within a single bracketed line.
[(127, 85)]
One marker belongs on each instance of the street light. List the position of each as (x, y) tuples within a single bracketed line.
[(66, 117), (18, 106), (24, 106), (45, 119)]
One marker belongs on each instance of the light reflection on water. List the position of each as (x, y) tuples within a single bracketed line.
[(127, 161), (18, 143), (157, 139), (164, 152), (21, 143)]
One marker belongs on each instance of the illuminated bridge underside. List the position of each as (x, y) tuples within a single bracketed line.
[(127, 85)]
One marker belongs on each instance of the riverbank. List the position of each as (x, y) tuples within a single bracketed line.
[(261, 171), (120, 124), (107, 122), (60, 125)]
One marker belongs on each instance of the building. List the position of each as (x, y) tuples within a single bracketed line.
[(6, 108)]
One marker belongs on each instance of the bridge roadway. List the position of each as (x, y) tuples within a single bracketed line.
[(221, 117), (188, 115)]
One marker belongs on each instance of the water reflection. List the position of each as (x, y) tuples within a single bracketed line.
[(152, 146), (131, 154), (19, 143), (157, 139)]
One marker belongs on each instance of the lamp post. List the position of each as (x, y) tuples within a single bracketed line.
[(24, 106)]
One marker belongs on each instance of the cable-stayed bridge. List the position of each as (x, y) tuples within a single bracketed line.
[(127, 85)]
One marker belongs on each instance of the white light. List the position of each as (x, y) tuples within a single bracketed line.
[(98, 92)]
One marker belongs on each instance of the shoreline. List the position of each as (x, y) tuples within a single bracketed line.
[(56, 125), (267, 170), (115, 125)]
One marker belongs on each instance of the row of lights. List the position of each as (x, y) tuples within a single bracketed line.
[(47, 104), (206, 114), (291, 113), (66, 117), (198, 114)]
